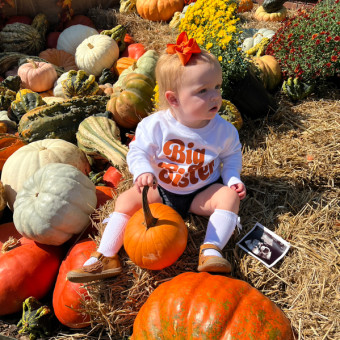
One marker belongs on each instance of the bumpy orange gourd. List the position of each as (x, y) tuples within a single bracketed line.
[(155, 236), (68, 297), (211, 307), (245, 6), (262, 15), (158, 10)]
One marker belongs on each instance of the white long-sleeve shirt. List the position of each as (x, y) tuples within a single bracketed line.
[(185, 159)]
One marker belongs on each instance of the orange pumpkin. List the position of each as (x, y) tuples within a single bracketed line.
[(159, 10), (104, 194), (245, 6), (37, 76), (8, 230), (68, 296), (60, 58), (8, 145), (155, 236), (122, 64), (205, 306)]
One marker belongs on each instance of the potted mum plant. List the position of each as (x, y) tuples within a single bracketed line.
[(215, 26)]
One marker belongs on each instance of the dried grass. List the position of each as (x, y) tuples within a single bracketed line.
[(292, 173)]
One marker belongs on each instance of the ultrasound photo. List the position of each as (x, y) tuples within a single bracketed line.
[(264, 245)]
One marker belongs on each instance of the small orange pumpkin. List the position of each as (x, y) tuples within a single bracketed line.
[(155, 236), (159, 10), (122, 64), (60, 58), (37, 76), (245, 6)]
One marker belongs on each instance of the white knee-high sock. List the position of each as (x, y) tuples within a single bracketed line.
[(221, 226), (113, 236)]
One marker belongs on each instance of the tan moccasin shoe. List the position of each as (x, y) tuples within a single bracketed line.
[(210, 263), (105, 267)]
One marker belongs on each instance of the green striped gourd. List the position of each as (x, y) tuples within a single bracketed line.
[(22, 38), (59, 120), (79, 84), (100, 136)]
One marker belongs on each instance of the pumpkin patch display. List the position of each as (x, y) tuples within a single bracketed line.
[(71, 37), (208, 306), (54, 204), (68, 296), (96, 53), (27, 270), (131, 102), (22, 164), (155, 236), (37, 76), (158, 10)]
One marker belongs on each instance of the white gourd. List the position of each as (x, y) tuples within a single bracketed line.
[(25, 161), (250, 42), (54, 204), (58, 89), (71, 37), (96, 53)]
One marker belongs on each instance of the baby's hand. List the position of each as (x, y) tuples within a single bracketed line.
[(240, 189), (145, 179)]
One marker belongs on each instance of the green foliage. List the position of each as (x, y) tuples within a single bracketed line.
[(307, 45)]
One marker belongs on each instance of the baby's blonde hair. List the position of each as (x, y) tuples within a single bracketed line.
[(169, 70)]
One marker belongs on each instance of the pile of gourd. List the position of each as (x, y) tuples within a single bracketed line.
[(67, 100)]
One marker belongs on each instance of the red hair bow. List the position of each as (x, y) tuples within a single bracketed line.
[(184, 47)]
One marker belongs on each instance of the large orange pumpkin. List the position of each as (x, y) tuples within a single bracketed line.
[(211, 307), (68, 296), (8, 145), (158, 10), (60, 58), (155, 236), (27, 270)]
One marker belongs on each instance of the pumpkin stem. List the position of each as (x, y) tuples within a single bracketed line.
[(9, 244), (149, 220), (90, 46), (33, 63)]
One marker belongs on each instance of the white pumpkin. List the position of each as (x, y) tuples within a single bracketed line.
[(71, 37), (96, 53), (250, 42), (58, 89), (54, 204), (25, 161)]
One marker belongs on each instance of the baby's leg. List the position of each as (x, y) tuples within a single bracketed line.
[(127, 204), (220, 203), (105, 261)]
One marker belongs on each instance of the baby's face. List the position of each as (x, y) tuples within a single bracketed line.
[(199, 94)]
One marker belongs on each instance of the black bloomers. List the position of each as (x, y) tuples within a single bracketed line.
[(181, 202)]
